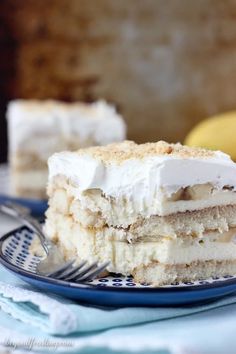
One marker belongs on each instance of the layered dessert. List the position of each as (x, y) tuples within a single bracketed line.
[(161, 212), (37, 129)]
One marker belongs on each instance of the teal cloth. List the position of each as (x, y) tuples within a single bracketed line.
[(29, 314)]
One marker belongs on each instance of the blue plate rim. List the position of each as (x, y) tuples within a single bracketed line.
[(22, 199), (37, 206), (25, 273)]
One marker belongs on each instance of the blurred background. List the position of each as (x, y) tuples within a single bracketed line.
[(165, 64)]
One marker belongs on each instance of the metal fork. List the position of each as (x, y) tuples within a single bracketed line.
[(77, 272), (59, 269)]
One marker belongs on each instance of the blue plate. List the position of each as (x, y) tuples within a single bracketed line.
[(114, 290), (37, 206)]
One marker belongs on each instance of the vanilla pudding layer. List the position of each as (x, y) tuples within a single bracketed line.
[(109, 244), (185, 225), (92, 209), (214, 224), (123, 211)]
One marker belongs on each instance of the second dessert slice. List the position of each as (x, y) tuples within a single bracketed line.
[(37, 129)]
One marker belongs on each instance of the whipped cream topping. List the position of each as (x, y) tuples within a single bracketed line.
[(143, 180), (44, 127)]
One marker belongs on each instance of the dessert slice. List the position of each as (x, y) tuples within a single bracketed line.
[(160, 212), (37, 129)]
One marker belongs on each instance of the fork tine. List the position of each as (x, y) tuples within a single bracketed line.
[(60, 270), (85, 270), (75, 275), (69, 273), (93, 273)]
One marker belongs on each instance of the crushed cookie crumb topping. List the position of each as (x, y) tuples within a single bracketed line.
[(120, 152)]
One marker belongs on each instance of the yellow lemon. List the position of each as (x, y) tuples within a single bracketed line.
[(215, 133)]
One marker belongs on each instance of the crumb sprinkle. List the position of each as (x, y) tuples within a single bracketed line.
[(120, 152)]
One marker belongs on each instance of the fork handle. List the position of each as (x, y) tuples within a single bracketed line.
[(16, 212), (36, 227)]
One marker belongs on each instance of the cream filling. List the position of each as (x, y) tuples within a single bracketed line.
[(124, 212), (216, 198), (128, 257), (125, 257)]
